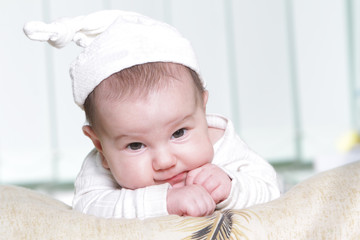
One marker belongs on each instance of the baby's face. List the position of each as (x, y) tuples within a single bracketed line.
[(157, 139)]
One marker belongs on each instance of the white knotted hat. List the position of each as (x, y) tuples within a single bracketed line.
[(113, 40)]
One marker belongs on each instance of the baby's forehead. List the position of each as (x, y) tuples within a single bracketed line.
[(139, 81)]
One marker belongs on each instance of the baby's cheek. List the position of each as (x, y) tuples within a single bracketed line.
[(133, 176), (206, 155), (209, 153)]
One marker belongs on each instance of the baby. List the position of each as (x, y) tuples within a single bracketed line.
[(156, 151)]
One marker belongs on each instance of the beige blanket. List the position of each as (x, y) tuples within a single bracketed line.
[(327, 206)]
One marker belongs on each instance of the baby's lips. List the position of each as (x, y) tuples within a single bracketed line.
[(177, 180)]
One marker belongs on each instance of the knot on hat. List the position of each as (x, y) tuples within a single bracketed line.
[(81, 30)]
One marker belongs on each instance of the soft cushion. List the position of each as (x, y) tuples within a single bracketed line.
[(326, 206)]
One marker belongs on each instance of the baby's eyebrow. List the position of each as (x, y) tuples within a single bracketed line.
[(123, 137), (180, 121), (120, 137), (128, 136)]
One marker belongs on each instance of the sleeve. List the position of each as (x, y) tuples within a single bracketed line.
[(97, 193), (254, 180)]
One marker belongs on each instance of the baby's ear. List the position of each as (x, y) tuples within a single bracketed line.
[(205, 98), (104, 162), (89, 132)]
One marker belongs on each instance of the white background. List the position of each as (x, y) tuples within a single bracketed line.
[(284, 71)]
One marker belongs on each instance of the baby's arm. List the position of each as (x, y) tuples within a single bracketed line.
[(238, 184), (97, 193), (251, 185), (253, 179), (124, 203)]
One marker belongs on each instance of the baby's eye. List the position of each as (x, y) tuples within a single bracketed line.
[(135, 146), (179, 133)]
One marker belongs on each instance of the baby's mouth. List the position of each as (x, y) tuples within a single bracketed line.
[(177, 179)]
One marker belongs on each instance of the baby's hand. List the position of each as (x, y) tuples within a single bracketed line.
[(192, 200), (216, 182)]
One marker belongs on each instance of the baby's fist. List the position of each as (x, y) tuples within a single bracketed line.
[(191, 200), (216, 182)]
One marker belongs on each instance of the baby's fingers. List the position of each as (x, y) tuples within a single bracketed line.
[(210, 184), (219, 194), (201, 207), (191, 176)]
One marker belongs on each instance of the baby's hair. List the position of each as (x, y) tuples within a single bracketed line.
[(137, 81)]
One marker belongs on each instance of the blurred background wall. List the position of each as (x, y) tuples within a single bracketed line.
[(285, 71)]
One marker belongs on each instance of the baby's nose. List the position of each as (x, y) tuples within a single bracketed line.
[(163, 159)]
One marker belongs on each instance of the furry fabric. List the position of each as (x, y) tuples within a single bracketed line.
[(326, 206)]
